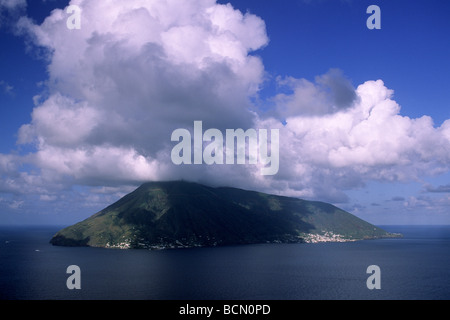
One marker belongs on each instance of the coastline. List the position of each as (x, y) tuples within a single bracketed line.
[(325, 237)]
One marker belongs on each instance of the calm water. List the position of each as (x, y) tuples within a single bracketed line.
[(414, 267)]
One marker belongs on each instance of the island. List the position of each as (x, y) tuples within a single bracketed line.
[(182, 214)]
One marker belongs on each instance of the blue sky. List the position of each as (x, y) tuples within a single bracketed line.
[(67, 148)]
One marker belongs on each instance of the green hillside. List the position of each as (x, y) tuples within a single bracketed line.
[(185, 214)]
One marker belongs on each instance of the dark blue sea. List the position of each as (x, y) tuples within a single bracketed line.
[(416, 266)]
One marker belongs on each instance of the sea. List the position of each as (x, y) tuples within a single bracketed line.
[(415, 267)]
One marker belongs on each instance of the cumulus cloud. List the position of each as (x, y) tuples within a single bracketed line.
[(137, 70), (131, 75), (370, 140), (329, 93), (340, 88), (373, 134)]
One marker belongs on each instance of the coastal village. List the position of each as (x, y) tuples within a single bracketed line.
[(327, 236)]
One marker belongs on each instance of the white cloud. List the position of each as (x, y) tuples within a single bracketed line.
[(330, 93), (13, 4), (131, 75), (372, 134), (60, 121), (47, 197), (322, 155)]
